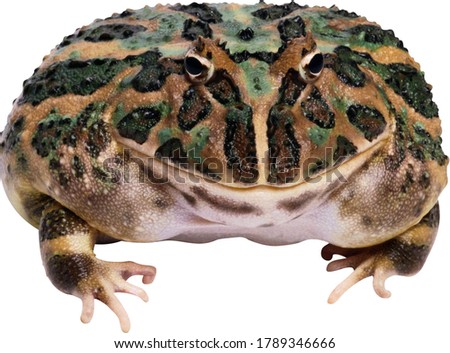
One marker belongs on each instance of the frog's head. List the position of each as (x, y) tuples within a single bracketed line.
[(260, 94)]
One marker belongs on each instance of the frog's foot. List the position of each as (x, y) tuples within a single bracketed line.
[(104, 279), (368, 262), (403, 255), (67, 253)]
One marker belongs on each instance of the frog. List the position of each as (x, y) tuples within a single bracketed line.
[(276, 123)]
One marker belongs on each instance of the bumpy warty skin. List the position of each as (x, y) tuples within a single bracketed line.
[(278, 123)]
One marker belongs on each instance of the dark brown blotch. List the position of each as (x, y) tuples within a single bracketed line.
[(291, 28), (407, 257), (98, 138), (317, 110), (367, 119), (193, 29), (344, 149), (62, 178), (246, 34), (367, 220), (266, 225), (345, 66), (155, 70), (78, 167), (103, 33), (223, 88), (424, 180), (66, 271), (408, 180), (240, 144), (189, 199), (173, 149), (224, 204), (106, 175), (207, 13), (276, 11), (13, 134), (195, 108), (291, 88), (297, 204), (58, 223), (161, 203), (284, 148), (376, 35), (137, 124)]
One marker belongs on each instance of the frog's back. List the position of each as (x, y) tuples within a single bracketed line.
[(255, 118)]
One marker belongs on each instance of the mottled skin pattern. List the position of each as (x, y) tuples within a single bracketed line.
[(276, 123)]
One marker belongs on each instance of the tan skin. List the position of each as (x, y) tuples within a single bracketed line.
[(198, 141)]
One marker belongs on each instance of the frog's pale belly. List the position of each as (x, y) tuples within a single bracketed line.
[(322, 222), (265, 229), (263, 222)]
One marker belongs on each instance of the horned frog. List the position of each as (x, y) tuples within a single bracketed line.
[(278, 123)]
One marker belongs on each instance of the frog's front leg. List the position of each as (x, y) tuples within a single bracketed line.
[(67, 244), (403, 255)]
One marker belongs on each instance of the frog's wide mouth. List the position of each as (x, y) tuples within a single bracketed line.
[(164, 170)]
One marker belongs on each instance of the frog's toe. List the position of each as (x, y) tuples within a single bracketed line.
[(329, 250), (108, 297), (110, 278), (365, 265), (67, 244), (128, 269), (88, 308)]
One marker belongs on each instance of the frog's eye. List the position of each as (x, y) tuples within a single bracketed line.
[(199, 69), (311, 66)]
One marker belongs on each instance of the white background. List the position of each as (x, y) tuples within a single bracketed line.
[(229, 289)]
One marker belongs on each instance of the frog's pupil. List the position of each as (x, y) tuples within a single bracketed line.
[(316, 64), (193, 66)]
